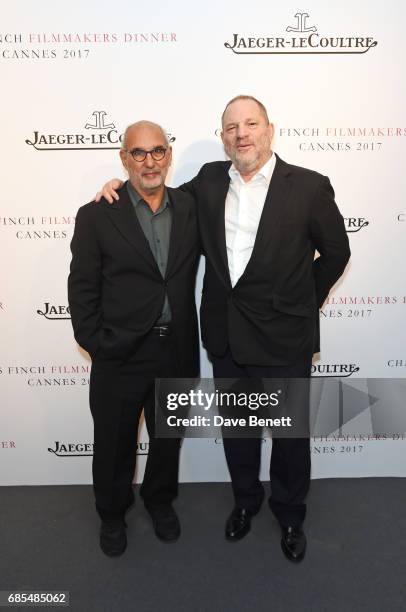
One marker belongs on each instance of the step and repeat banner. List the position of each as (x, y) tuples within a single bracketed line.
[(73, 77)]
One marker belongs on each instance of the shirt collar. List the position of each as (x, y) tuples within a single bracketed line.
[(264, 173), (136, 199)]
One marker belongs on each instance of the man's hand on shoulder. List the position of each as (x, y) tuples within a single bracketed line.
[(109, 191)]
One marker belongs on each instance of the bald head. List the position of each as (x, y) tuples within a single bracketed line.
[(148, 141), (139, 128)]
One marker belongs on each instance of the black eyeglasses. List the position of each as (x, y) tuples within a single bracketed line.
[(140, 155)]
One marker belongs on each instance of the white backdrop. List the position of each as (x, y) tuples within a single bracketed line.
[(74, 77)]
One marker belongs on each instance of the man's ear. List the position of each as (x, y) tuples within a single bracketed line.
[(271, 130), (123, 157)]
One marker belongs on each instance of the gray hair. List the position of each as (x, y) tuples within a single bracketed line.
[(242, 97)]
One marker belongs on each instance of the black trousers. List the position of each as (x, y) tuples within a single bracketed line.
[(118, 393), (290, 459)]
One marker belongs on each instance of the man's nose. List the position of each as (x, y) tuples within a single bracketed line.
[(242, 131), (149, 162)]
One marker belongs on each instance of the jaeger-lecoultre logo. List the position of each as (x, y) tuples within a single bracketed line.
[(304, 39)]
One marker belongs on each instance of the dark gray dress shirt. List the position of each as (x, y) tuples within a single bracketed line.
[(157, 230)]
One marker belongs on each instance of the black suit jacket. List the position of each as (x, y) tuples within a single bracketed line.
[(115, 289), (271, 315)]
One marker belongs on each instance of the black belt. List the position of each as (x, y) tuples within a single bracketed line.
[(162, 330)]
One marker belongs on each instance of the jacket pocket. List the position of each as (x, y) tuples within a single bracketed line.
[(290, 307)]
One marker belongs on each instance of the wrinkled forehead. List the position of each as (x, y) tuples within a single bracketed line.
[(243, 110), (145, 137)]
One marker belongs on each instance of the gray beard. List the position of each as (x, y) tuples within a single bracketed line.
[(245, 167)]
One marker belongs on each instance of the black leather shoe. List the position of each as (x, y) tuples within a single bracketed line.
[(165, 521), (238, 524), (293, 543), (113, 537)]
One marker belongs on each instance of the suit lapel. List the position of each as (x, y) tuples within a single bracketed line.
[(180, 214), (274, 205), (217, 199), (124, 218)]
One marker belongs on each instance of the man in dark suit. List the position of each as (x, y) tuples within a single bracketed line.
[(261, 221), (131, 296)]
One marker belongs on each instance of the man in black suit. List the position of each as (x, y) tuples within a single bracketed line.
[(261, 221), (131, 296)]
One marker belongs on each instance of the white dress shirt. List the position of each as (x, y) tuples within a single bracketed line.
[(244, 205)]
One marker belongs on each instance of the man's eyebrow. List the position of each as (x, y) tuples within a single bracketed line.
[(231, 123), (153, 147)]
